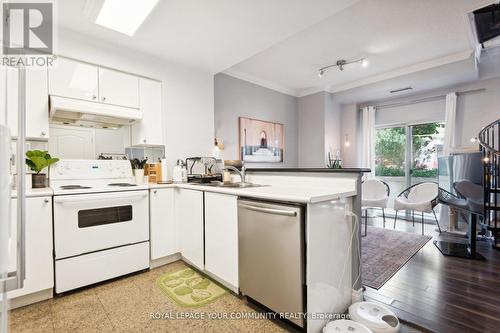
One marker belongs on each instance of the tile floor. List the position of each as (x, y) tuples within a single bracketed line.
[(125, 305)]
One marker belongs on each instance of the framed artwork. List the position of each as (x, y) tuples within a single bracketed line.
[(261, 141)]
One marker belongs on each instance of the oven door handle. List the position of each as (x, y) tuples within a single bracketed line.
[(89, 197)]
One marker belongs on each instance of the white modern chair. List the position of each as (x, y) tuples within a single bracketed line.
[(374, 194), (421, 197)]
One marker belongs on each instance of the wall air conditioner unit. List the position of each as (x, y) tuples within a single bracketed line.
[(70, 111), (487, 25)]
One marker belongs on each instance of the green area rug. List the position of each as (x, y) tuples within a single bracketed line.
[(189, 288)]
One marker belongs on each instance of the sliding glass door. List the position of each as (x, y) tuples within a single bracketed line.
[(427, 145), (408, 154), (390, 158)]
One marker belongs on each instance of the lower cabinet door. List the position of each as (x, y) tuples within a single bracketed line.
[(163, 226), (190, 220), (39, 249), (221, 237)]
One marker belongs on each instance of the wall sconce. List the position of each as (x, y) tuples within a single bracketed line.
[(346, 141), (218, 144)]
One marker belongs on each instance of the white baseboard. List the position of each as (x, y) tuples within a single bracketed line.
[(165, 260), (31, 298), (226, 284)]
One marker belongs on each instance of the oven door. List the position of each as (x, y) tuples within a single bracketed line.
[(85, 223)]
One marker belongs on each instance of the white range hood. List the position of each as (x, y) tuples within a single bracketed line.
[(71, 111)]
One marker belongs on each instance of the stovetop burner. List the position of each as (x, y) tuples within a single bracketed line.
[(74, 187), (122, 184)]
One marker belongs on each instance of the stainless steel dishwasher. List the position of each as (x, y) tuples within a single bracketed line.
[(271, 255)]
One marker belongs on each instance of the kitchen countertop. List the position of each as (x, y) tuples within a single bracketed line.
[(312, 170), (273, 192), (297, 194), (35, 192)]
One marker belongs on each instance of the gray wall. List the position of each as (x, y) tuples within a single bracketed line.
[(350, 121), (312, 130), (333, 112), (237, 98), (319, 129), (476, 110)]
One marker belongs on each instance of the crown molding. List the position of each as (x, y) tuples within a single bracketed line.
[(260, 82)]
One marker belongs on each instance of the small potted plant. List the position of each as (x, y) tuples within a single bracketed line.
[(138, 166), (37, 160)]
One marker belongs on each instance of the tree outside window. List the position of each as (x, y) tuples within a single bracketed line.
[(391, 146)]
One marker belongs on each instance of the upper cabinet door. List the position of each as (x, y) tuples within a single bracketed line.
[(118, 88), (149, 130), (37, 103), (8, 91), (70, 78)]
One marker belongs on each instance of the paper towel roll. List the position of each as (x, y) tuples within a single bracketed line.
[(164, 174)]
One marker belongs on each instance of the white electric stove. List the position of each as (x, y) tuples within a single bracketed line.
[(101, 222), (92, 176)]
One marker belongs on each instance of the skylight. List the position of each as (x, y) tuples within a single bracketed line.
[(125, 16)]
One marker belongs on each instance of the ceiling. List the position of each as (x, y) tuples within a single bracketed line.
[(422, 81), (397, 37), (281, 44), (208, 34)]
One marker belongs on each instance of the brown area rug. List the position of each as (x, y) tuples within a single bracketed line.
[(385, 251)]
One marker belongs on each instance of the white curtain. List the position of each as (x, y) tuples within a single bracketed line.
[(449, 123), (368, 157)]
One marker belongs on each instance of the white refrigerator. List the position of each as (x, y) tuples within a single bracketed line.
[(5, 225), (12, 233)]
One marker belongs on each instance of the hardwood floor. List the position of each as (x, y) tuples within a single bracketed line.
[(444, 294)]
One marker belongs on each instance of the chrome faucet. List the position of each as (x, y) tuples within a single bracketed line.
[(241, 173)]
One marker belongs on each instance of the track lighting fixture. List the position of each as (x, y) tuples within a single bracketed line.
[(340, 64)]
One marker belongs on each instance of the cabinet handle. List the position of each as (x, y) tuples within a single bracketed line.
[(43, 133), (103, 99), (155, 191), (144, 140), (94, 97), (46, 200)]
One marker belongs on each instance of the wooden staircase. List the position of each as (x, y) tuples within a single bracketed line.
[(489, 140)]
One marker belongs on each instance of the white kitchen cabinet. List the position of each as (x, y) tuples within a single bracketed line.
[(163, 233), (221, 237), (118, 88), (39, 260), (8, 91), (37, 103), (149, 130), (75, 79), (190, 221)]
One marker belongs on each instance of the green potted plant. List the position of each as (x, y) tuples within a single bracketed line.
[(37, 160), (138, 166)]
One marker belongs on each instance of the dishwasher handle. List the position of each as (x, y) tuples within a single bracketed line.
[(269, 210)]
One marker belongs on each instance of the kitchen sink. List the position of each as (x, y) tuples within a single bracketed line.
[(230, 185), (240, 185)]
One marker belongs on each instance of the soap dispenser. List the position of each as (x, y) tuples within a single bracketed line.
[(180, 172)]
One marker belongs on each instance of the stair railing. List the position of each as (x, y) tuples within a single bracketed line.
[(489, 140)]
